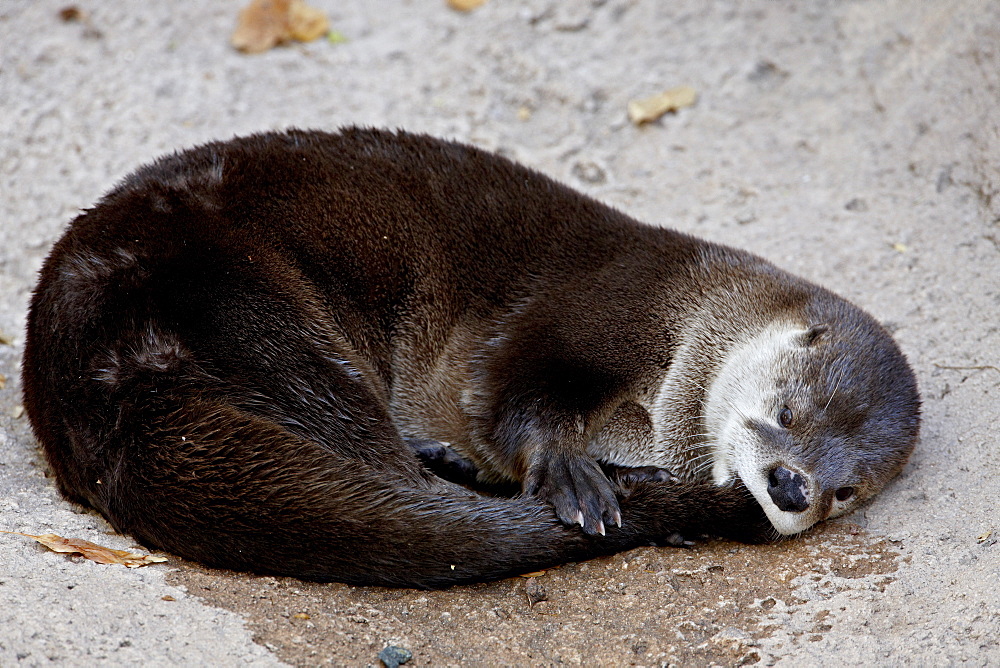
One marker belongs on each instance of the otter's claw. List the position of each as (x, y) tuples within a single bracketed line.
[(577, 489)]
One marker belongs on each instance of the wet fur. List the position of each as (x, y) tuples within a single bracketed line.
[(226, 353)]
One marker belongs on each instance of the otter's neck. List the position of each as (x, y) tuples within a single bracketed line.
[(683, 438)]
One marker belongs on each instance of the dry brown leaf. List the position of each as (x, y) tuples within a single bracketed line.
[(465, 5), (6, 340), (3, 381), (264, 24), (651, 108), (71, 13), (92, 551), (306, 23), (260, 26)]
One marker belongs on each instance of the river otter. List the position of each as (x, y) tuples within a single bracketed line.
[(239, 352)]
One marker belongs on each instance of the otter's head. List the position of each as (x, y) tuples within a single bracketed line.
[(815, 417)]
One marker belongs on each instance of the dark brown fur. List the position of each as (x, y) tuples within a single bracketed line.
[(225, 355)]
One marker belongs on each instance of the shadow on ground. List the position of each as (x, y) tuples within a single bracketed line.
[(709, 604)]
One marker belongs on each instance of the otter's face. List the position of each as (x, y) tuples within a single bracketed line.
[(813, 420)]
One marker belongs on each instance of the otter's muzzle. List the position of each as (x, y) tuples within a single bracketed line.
[(788, 489)]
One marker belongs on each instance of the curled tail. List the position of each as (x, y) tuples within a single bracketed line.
[(203, 479)]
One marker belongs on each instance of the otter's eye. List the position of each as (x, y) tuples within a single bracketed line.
[(785, 417), (844, 493)]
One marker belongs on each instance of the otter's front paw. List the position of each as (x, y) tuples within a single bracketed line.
[(442, 460), (578, 490), (629, 476)]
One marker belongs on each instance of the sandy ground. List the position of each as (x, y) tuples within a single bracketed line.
[(855, 143)]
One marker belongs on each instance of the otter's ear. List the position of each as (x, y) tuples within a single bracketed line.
[(813, 334)]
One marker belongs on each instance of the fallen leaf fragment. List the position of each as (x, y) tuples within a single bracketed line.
[(899, 248), (306, 23), (651, 108), (92, 551), (71, 13), (465, 5), (983, 537), (3, 381), (6, 340), (533, 574), (264, 24), (17, 412)]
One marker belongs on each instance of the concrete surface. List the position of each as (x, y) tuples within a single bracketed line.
[(855, 143)]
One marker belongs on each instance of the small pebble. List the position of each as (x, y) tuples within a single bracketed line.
[(393, 657), (535, 591)]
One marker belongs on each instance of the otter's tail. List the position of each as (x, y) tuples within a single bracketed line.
[(210, 482)]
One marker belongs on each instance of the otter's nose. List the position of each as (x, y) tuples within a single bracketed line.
[(788, 490)]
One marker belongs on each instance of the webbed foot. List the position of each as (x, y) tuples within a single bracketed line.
[(577, 488), (627, 476), (443, 461)]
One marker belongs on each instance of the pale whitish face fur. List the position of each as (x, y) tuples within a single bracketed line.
[(850, 417)]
